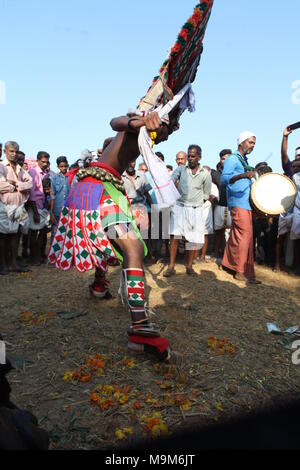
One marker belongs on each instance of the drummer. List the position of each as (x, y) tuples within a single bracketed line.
[(237, 176)]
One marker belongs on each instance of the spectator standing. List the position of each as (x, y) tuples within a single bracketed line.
[(222, 219), (60, 188), (265, 229), (137, 188), (286, 162), (295, 230), (38, 226), (24, 230), (194, 185), (208, 208), (237, 176), (15, 185), (181, 158)]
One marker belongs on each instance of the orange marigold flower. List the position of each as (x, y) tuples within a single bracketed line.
[(86, 378), (153, 422), (94, 397)]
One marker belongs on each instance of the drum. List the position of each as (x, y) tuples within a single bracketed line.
[(273, 194)]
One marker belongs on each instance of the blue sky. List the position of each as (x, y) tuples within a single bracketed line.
[(69, 66)]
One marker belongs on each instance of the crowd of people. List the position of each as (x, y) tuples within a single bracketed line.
[(212, 221)]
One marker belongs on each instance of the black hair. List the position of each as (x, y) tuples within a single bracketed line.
[(74, 166), (61, 160), (260, 165), (41, 155), (170, 167), (160, 156), (264, 169), (19, 152), (225, 152), (46, 183), (197, 147)]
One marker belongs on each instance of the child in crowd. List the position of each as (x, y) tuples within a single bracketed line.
[(60, 190)]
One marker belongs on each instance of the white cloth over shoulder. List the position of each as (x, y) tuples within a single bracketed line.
[(165, 190)]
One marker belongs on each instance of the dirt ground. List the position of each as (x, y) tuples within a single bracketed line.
[(74, 372)]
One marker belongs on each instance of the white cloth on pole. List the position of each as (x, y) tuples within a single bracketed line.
[(165, 190)]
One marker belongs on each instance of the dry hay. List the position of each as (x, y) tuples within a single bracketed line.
[(228, 363)]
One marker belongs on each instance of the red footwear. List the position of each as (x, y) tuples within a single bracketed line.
[(100, 290), (159, 347)]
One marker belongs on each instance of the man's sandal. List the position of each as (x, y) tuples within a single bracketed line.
[(191, 272), (169, 272)]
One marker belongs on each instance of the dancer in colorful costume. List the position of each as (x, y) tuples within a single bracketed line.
[(96, 225)]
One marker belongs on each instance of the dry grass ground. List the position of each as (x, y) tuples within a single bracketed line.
[(137, 397)]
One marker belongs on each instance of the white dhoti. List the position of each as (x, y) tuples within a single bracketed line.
[(295, 230), (11, 217), (44, 219), (285, 224), (208, 218), (188, 222), (222, 218)]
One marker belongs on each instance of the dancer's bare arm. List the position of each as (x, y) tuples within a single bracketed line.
[(124, 148), (126, 124)]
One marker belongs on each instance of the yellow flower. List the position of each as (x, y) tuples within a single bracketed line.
[(159, 429), (123, 399), (68, 376), (120, 434), (128, 431), (219, 407), (186, 406), (153, 136), (130, 363), (108, 390)]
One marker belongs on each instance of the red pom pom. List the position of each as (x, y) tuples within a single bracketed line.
[(184, 34), (176, 48)]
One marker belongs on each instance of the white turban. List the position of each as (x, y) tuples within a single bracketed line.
[(245, 136), (297, 153)]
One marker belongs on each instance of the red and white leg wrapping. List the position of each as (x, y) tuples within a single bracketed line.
[(142, 334)]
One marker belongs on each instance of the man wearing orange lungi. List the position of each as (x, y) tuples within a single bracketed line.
[(237, 176)]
